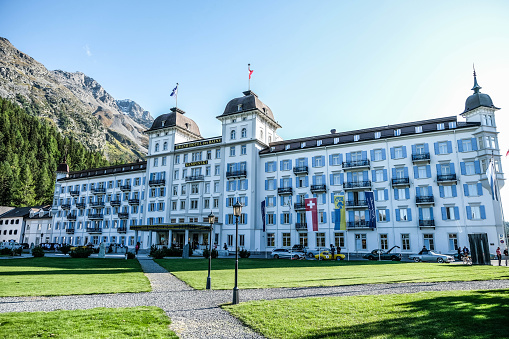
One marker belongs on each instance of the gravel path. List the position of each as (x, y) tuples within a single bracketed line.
[(196, 314)]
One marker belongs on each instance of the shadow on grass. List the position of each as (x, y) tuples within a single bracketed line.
[(482, 315)]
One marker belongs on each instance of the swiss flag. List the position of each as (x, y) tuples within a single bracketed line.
[(311, 214)]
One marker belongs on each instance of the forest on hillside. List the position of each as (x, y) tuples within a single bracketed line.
[(30, 150)]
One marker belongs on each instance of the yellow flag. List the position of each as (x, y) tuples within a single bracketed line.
[(340, 213)]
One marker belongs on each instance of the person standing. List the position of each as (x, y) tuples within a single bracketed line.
[(506, 254), (459, 253), (137, 247), (499, 256)]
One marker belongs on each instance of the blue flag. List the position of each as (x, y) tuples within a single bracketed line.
[(370, 199), (174, 92), (263, 214)]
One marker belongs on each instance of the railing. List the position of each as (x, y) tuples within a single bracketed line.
[(420, 157), (74, 193), (285, 190), (71, 217), (122, 229), (299, 206), (94, 230), (125, 188), (426, 199), (236, 174), (400, 181), (318, 188), (69, 230), (97, 203), (301, 226), (357, 184), (300, 170), (66, 206), (115, 202), (357, 163), (157, 182), (426, 222), (195, 177), (358, 224), (134, 201), (95, 216), (123, 215), (446, 177), (356, 203), (99, 190), (81, 205)]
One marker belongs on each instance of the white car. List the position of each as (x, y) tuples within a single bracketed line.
[(431, 256), (11, 244), (286, 253)]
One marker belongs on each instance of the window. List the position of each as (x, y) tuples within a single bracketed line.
[(377, 155), (418, 129), (339, 239), (447, 191), (378, 135), (286, 217), (403, 216), (467, 145), (453, 241), (232, 151), (469, 167), (207, 171), (319, 161), (177, 159), (384, 242), (156, 162), (400, 193), (380, 194), (218, 153), (319, 143), (442, 147), (243, 149), (452, 124), (165, 146), (232, 134), (194, 189), (243, 133), (490, 142), (230, 240), (356, 137), (382, 216), (207, 187), (194, 204), (216, 203), (379, 175), (270, 219), (217, 170), (271, 166), (320, 239), (429, 242), (303, 239), (398, 152), (206, 203), (360, 242), (475, 212), (175, 190), (241, 240), (422, 172), (336, 141), (176, 174), (286, 239), (448, 213), (157, 147), (397, 132), (271, 184), (216, 187), (270, 239), (287, 165), (336, 159), (182, 204), (287, 147), (405, 242), (440, 127)]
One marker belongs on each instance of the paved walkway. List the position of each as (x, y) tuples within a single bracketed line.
[(196, 314)]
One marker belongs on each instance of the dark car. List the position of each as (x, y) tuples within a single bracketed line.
[(298, 248), (383, 255)]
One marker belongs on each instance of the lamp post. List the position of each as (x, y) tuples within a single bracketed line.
[(211, 222), (237, 209)]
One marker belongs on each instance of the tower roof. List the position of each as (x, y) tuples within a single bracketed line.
[(175, 119), (478, 99), (248, 102)]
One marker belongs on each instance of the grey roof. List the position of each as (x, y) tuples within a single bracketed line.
[(175, 119), (18, 212), (92, 172), (249, 102), (478, 99), (4, 209), (63, 168)]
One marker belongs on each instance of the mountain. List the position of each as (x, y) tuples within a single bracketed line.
[(77, 104)]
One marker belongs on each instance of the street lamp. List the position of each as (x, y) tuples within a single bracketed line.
[(237, 209), (211, 222)]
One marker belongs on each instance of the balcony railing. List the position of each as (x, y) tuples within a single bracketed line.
[(358, 224), (74, 193), (81, 205), (446, 177), (66, 206), (401, 181), (115, 202), (134, 201), (94, 230), (97, 203), (69, 230), (420, 157), (125, 188), (299, 206), (300, 170), (356, 164), (99, 190), (356, 203), (301, 226), (95, 216), (236, 174), (427, 223), (357, 184), (158, 182), (123, 215), (425, 199), (195, 177), (122, 229), (319, 188), (284, 190), (71, 216)]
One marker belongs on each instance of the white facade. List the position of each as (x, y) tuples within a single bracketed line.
[(428, 179)]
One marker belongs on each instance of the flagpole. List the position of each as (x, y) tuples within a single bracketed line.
[(249, 78), (176, 97)]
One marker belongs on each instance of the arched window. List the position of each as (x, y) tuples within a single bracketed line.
[(157, 147), (165, 146), (270, 139), (243, 134), (232, 134)]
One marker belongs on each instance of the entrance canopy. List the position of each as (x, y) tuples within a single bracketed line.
[(172, 227)]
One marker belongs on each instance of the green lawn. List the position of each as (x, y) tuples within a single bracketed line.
[(65, 276), (451, 314), (270, 273), (145, 322)]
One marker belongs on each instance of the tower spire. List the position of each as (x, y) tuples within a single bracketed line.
[(476, 87)]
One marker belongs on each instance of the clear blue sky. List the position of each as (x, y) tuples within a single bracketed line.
[(318, 65)]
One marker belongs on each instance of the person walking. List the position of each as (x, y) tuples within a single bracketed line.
[(506, 254), (137, 247), (499, 256)]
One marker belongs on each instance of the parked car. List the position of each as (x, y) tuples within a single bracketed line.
[(383, 255), (50, 246), (9, 244), (299, 248), (25, 246), (431, 256), (286, 253), (327, 255)]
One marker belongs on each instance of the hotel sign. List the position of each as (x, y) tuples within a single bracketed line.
[(197, 163), (199, 143)]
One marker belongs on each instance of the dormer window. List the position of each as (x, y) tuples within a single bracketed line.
[(452, 124), (303, 144), (272, 149), (397, 132), (287, 147), (239, 107), (418, 129), (356, 137), (336, 140), (440, 127), (378, 135), (319, 143)]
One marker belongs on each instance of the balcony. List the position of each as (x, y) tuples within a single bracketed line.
[(356, 164), (71, 216), (427, 223), (318, 188), (115, 203), (195, 178), (357, 185), (97, 203), (299, 206), (99, 190), (421, 157), (158, 182), (96, 216), (81, 205), (446, 178), (123, 215), (69, 230), (134, 201), (94, 230), (74, 193), (400, 181), (66, 206), (425, 200), (360, 224), (300, 170), (125, 188), (301, 226), (236, 174), (284, 190), (122, 229), (356, 204)]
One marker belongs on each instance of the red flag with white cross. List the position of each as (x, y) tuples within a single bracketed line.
[(311, 214)]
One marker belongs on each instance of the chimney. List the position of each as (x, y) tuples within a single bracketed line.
[(333, 131)]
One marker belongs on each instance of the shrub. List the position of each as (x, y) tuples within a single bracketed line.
[(158, 254), (38, 252), (153, 248), (110, 249), (18, 250), (65, 248), (95, 250), (215, 254), (6, 251), (244, 253), (131, 255), (81, 253), (172, 252)]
